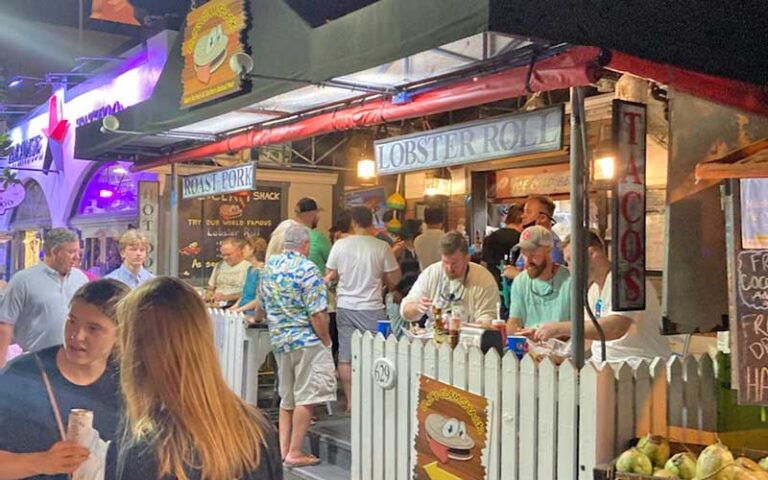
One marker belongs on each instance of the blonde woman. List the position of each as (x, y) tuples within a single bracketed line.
[(181, 420)]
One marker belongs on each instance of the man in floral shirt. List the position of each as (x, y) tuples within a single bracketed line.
[(294, 299)]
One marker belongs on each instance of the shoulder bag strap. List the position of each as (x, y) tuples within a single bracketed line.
[(51, 397)]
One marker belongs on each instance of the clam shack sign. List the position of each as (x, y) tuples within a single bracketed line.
[(628, 275), (11, 197)]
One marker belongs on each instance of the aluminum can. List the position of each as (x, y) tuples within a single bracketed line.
[(80, 423)]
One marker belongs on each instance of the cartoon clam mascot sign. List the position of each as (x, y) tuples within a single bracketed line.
[(214, 32), (452, 433)]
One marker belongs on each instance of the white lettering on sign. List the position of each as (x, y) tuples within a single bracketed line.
[(629, 125), (753, 278), (757, 384), (384, 373), (530, 132), (99, 113), (230, 180)]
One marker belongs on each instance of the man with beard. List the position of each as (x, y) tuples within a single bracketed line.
[(308, 214), (630, 336), (453, 278), (541, 293)]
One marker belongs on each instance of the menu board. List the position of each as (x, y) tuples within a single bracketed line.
[(204, 222), (752, 326)]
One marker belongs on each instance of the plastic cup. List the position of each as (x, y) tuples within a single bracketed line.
[(384, 327), (516, 343)]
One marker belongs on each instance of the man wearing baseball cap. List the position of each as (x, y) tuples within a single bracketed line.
[(308, 214), (541, 293)]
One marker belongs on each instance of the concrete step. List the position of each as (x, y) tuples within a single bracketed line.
[(322, 471), (329, 440)]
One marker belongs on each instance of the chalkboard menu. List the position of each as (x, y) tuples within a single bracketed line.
[(204, 222), (752, 326)]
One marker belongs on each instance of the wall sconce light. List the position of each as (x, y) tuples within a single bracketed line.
[(603, 166), (438, 183), (603, 159), (18, 80)]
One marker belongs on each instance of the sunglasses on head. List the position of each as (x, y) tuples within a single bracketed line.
[(550, 217)]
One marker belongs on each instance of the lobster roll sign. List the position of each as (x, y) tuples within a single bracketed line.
[(629, 127)]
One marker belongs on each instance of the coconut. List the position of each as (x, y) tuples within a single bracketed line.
[(752, 466), (682, 465), (763, 464), (634, 461), (712, 459), (664, 473), (656, 448), (736, 472), (748, 463)]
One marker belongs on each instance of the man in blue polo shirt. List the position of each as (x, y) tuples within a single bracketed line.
[(35, 304)]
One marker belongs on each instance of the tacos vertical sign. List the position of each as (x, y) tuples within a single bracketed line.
[(452, 436), (214, 32)]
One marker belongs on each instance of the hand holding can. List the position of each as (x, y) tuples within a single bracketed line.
[(80, 426)]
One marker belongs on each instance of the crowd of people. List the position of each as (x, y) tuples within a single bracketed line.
[(138, 351), (137, 354)]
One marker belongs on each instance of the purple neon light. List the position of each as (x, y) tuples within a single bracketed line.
[(112, 189)]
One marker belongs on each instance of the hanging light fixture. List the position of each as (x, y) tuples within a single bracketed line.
[(366, 167)]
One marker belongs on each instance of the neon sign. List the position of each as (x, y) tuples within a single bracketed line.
[(99, 114)]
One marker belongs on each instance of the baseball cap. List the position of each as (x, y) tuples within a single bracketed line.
[(307, 204), (534, 237)]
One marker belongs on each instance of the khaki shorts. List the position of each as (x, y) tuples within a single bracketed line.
[(306, 376)]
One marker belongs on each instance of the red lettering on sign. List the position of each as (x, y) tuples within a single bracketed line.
[(626, 209), (632, 117), (631, 246), (632, 171), (632, 287)]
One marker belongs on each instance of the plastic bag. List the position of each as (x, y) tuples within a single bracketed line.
[(554, 349), (95, 466)]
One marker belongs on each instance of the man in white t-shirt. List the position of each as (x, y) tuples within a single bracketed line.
[(228, 277), (633, 335), (363, 264), (453, 279)]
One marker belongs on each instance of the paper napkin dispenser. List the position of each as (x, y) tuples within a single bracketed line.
[(482, 337)]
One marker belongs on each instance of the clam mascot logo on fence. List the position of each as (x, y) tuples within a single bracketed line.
[(452, 433)]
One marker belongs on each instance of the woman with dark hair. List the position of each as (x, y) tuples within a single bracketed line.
[(181, 420), (39, 390)]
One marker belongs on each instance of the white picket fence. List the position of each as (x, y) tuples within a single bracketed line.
[(242, 351), (539, 411)]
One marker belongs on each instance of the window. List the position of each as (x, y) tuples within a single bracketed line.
[(112, 189)]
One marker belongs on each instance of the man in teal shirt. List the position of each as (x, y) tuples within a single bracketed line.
[(542, 292), (308, 214)]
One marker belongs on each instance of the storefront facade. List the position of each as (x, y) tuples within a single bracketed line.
[(64, 191)]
